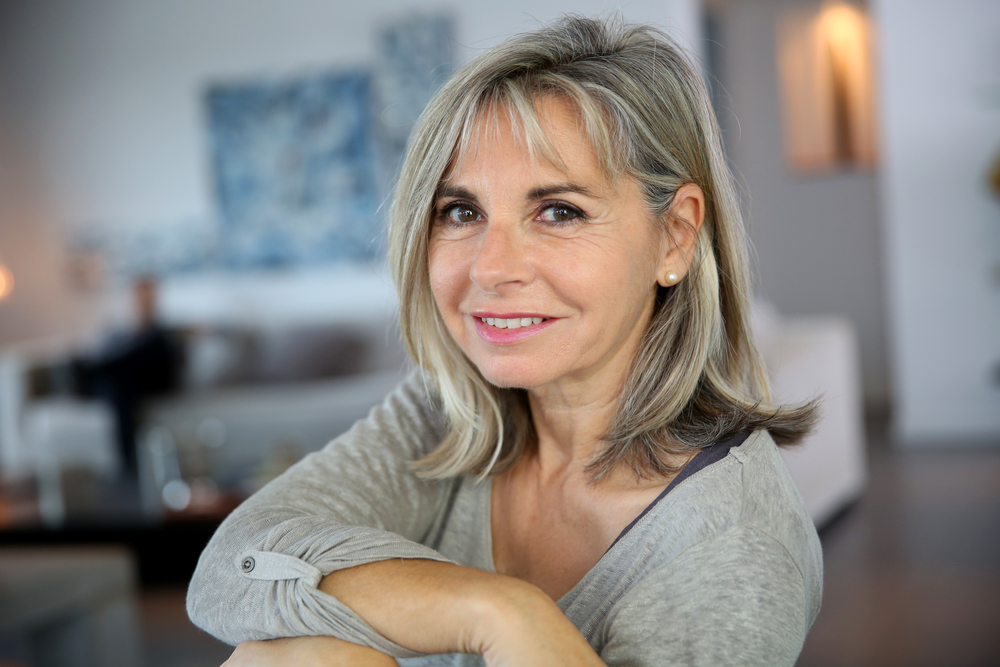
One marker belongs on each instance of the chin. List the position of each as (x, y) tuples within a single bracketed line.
[(511, 376)]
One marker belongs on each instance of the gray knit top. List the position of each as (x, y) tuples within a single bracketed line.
[(725, 569)]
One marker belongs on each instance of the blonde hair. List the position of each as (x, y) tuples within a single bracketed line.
[(698, 376)]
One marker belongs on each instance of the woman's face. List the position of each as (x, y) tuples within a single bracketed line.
[(544, 276)]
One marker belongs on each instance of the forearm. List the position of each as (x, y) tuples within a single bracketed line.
[(433, 607), (237, 595), (307, 652), (426, 606), (355, 502)]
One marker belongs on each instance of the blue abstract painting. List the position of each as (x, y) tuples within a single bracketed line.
[(301, 164), (296, 171), (413, 59)]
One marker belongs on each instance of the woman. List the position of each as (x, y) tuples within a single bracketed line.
[(583, 472)]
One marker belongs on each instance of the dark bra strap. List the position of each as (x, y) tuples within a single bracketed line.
[(701, 460)]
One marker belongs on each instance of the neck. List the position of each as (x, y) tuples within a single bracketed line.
[(572, 414), (570, 422)]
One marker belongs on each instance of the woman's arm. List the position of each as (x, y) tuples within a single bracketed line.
[(734, 600), (333, 548), (435, 607), (307, 652), (356, 502)]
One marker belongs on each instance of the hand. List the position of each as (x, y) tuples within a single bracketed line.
[(529, 630), (307, 652)]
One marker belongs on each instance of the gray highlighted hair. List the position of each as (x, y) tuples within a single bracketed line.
[(698, 376)]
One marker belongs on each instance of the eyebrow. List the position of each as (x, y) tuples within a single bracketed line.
[(453, 192), (559, 188), (456, 192)]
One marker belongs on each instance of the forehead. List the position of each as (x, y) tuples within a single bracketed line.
[(548, 131)]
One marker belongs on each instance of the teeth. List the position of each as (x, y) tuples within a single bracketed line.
[(513, 323)]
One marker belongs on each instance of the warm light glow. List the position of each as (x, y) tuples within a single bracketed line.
[(6, 282), (842, 24), (845, 31), (825, 71)]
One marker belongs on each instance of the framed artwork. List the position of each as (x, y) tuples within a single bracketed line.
[(301, 165), (295, 170)]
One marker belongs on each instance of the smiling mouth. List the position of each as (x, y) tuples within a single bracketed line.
[(512, 323)]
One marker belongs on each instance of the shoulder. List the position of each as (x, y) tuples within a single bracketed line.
[(735, 599), (770, 506), (749, 487), (363, 477), (747, 491), (751, 495), (729, 560), (725, 522), (409, 422), (367, 468)]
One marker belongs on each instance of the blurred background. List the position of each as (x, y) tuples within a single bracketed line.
[(193, 293)]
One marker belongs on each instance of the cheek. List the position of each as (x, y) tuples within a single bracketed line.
[(446, 269), (627, 278), (623, 268)]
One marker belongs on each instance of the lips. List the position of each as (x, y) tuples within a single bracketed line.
[(503, 328), (512, 322)]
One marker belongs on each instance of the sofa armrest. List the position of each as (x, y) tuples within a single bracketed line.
[(811, 357)]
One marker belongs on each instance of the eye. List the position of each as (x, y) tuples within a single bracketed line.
[(560, 213), (459, 214)]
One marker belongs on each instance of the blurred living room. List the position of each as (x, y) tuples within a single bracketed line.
[(199, 189)]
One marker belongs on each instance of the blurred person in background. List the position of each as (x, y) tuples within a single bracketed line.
[(584, 469), (130, 366)]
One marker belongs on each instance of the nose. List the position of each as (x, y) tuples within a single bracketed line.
[(502, 262)]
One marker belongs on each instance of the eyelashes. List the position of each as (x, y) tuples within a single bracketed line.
[(459, 214), (551, 213)]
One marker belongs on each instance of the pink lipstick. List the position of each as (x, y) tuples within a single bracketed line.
[(505, 328)]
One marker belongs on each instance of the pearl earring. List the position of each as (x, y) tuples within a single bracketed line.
[(672, 278)]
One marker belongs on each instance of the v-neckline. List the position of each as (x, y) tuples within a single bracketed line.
[(487, 504), (699, 462)]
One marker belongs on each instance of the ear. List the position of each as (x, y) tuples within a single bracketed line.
[(682, 223)]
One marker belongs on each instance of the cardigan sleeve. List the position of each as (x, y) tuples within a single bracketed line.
[(354, 502)]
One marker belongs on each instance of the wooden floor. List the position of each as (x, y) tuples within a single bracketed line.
[(912, 573)]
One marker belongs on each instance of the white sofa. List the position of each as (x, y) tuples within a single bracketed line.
[(817, 357), (235, 418)]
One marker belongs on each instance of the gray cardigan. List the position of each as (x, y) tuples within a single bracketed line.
[(726, 569)]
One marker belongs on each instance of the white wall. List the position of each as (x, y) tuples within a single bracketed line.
[(940, 67), (31, 247), (817, 237), (106, 99)]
